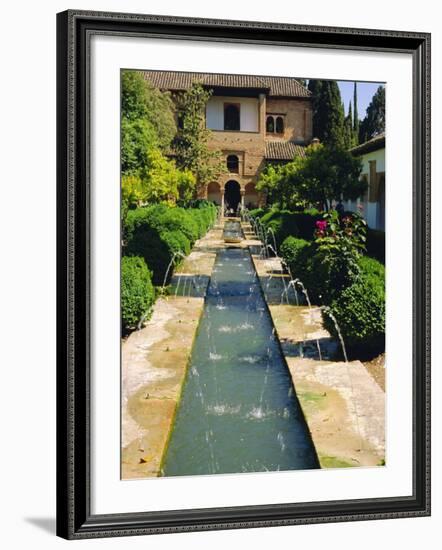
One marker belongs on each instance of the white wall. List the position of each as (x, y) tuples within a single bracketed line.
[(370, 209), (378, 156), (27, 406), (249, 112)]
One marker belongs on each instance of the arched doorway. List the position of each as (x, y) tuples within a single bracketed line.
[(232, 195)]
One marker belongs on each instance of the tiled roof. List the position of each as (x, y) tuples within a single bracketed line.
[(374, 144), (283, 150), (274, 85)]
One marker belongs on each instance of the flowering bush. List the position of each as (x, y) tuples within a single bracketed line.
[(339, 244)]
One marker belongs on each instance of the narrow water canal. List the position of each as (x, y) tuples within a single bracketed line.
[(238, 411)]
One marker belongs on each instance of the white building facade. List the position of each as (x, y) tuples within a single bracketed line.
[(372, 154)]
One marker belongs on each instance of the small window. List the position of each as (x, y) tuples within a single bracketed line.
[(233, 164), (270, 125), (279, 125), (231, 117)]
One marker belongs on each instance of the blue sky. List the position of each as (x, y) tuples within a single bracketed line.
[(366, 91)]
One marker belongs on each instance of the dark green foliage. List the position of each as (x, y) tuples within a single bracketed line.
[(141, 102), (286, 223), (374, 121), (157, 248), (355, 115), (323, 175), (376, 244), (360, 310), (159, 231), (137, 292), (293, 252), (329, 174), (328, 113), (306, 223), (257, 212)]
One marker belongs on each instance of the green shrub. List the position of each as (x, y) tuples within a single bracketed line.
[(158, 232), (376, 244), (137, 292), (293, 251), (286, 223), (166, 218), (157, 248), (306, 222), (360, 311)]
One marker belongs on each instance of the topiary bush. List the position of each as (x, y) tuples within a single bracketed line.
[(360, 311), (294, 251), (159, 231), (137, 291)]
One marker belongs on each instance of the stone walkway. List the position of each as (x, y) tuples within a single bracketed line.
[(154, 363), (344, 407)]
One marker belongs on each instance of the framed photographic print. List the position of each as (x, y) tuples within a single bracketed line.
[(243, 274)]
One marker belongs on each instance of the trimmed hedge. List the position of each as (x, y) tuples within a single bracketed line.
[(295, 253), (376, 244), (158, 232), (137, 292), (285, 223), (360, 311)]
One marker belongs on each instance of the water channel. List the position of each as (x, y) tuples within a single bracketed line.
[(238, 410)]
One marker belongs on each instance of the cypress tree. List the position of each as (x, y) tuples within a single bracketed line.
[(348, 126), (374, 121), (328, 112), (356, 114)]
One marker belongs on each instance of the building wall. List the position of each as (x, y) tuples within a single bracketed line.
[(249, 112), (297, 118), (249, 143), (372, 210)]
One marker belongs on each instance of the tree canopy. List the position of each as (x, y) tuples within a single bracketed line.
[(328, 112), (147, 130), (374, 121), (324, 174), (141, 101)]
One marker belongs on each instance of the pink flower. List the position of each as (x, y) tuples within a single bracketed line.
[(321, 225)]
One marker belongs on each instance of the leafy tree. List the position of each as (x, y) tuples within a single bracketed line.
[(323, 175), (191, 142), (138, 137), (327, 174), (374, 121), (141, 101), (328, 113), (147, 130), (158, 181), (275, 182)]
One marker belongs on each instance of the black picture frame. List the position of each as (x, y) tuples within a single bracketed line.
[(74, 518)]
